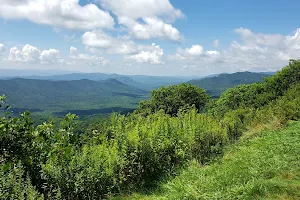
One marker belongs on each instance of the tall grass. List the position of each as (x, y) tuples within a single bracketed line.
[(265, 167)]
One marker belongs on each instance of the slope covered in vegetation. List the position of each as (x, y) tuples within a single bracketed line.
[(75, 96), (215, 86), (125, 154), (266, 167)]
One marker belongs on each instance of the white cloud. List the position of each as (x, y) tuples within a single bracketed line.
[(73, 50), (2, 48), (293, 41), (195, 50), (152, 27), (58, 13), (146, 19), (27, 54), (193, 53), (99, 39), (273, 46), (248, 37), (50, 56), (254, 52), (152, 56), (95, 40), (91, 60), (142, 8), (31, 54), (212, 53)]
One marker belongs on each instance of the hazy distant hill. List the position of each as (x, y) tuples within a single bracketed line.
[(76, 76), (220, 83), (74, 96), (9, 73), (140, 81), (93, 93)]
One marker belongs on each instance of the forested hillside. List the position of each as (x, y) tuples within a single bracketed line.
[(179, 135), (78, 96), (140, 81), (218, 84), (96, 93)]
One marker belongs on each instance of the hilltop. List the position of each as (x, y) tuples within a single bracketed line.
[(218, 84)]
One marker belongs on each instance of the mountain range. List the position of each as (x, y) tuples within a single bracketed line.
[(99, 93)]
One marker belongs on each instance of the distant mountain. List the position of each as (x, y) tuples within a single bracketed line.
[(217, 84), (139, 81), (10, 73), (76, 76), (70, 96)]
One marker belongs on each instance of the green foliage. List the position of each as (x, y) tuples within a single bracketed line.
[(82, 97), (135, 151), (173, 98), (129, 153), (215, 86), (266, 167), (258, 95), (281, 82), (13, 185)]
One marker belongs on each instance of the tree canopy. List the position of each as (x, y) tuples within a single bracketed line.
[(173, 98)]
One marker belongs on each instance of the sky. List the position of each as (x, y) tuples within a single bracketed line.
[(151, 37)]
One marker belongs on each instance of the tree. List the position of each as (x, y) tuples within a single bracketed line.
[(173, 98)]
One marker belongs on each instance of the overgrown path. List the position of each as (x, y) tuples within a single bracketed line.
[(265, 167)]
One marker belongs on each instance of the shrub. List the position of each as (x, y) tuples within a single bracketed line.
[(172, 98), (14, 186)]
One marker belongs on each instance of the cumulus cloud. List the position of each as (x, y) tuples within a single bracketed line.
[(273, 46), (212, 53), (31, 54), (91, 60), (146, 19), (2, 48), (152, 27), (152, 56), (50, 56), (99, 39), (73, 50), (250, 38), (27, 54), (195, 50), (138, 9), (253, 52), (59, 13), (193, 53)]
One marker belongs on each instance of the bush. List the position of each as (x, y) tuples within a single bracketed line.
[(173, 98), (134, 152), (14, 186)]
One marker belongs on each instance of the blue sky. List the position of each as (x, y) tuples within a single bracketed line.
[(154, 37)]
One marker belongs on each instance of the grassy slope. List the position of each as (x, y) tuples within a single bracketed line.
[(266, 167)]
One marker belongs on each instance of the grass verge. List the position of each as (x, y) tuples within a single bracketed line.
[(264, 167)]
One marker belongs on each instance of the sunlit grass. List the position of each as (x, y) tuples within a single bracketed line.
[(264, 167)]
